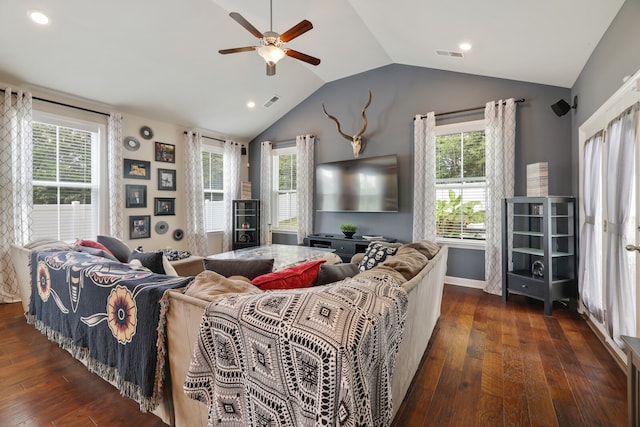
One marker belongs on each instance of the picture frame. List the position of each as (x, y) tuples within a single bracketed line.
[(135, 195), (166, 179), (165, 152), (164, 206), (137, 169), (139, 227)]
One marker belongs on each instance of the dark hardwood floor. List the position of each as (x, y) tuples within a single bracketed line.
[(489, 364)]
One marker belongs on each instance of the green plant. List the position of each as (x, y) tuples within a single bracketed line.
[(347, 227), (453, 216)]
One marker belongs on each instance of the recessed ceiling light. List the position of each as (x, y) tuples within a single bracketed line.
[(251, 104), (38, 17), (465, 46)]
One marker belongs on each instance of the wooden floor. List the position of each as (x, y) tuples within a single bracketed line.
[(489, 364)]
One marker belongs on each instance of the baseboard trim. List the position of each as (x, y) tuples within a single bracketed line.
[(469, 283)]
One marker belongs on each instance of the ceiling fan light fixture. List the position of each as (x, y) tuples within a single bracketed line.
[(271, 54)]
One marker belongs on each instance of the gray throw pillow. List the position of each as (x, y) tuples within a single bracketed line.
[(118, 248), (96, 252), (150, 260), (249, 268), (330, 273)]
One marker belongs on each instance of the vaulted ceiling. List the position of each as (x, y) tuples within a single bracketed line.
[(159, 59)]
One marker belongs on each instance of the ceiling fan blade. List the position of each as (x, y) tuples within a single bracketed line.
[(240, 20), (237, 49), (295, 31), (271, 69), (302, 56)]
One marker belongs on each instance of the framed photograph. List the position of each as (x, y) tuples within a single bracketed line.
[(136, 196), (139, 227), (137, 169), (167, 179), (164, 206), (165, 152)]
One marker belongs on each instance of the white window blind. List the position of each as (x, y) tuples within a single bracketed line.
[(460, 181), (212, 173), (66, 180), (285, 203)]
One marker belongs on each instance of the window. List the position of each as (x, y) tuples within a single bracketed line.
[(460, 181), (285, 204), (212, 161), (66, 178)]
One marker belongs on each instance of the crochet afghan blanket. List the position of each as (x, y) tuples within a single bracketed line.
[(315, 356)]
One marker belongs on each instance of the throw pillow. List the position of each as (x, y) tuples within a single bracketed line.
[(249, 268), (150, 260), (376, 253), (334, 273), (407, 261), (298, 276), (92, 244), (118, 248), (209, 285), (96, 252)]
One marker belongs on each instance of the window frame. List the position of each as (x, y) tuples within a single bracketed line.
[(214, 149), (275, 154), (461, 127), (99, 175)]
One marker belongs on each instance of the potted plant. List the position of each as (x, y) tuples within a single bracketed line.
[(348, 229)]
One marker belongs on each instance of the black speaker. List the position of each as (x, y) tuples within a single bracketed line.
[(562, 107)]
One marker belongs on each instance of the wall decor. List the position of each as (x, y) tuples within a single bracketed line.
[(136, 196), (165, 152), (178, 234), (139, 227), (146, 132), (167, 179), (354, 140), (164, 206), (161, 227), (137, 169), (131, 143)]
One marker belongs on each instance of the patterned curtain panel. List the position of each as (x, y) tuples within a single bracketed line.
[(15, 184), (230, 188), (424, 184), (195, 233), (305, 154), (115, 205), (590, 273), (500, 136), (266, 189)]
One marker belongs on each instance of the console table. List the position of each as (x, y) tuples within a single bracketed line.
[(344, 247)]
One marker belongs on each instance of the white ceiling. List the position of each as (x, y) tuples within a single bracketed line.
[(159, 59)]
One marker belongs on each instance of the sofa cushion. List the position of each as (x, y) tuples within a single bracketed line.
[(151, 260), (376, 253), (118, 248), (425, 247), (298, 276), (330, 273), (209, 285), (249, 268)]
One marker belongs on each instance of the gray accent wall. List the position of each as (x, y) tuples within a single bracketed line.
[(399, 93), (617, 55)]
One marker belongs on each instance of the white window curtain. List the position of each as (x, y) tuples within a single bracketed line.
[(500, 134), (305, 165), (230, 188), (15, 184), (424, 184), (195, 230), (115, 191), (590, 272), (266, 188), (620, 287)]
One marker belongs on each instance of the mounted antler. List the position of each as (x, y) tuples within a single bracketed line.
[(355, 140)]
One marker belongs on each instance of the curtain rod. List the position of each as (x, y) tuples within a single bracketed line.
[(62, 104), (466, 109), (213, 138)]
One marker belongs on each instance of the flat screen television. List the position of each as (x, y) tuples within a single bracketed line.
[(358, 185)]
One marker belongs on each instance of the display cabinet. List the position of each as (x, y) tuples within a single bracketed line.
[(540, 251), (246, 224)]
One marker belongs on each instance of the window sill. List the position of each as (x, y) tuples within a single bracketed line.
[(463, 244), (280, 231)]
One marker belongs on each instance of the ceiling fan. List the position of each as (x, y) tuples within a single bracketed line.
[(271, 43)]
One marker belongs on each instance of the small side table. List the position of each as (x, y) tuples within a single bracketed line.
[(633, 377)]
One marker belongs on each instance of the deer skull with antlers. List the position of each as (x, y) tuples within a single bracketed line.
[(355, 140)]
